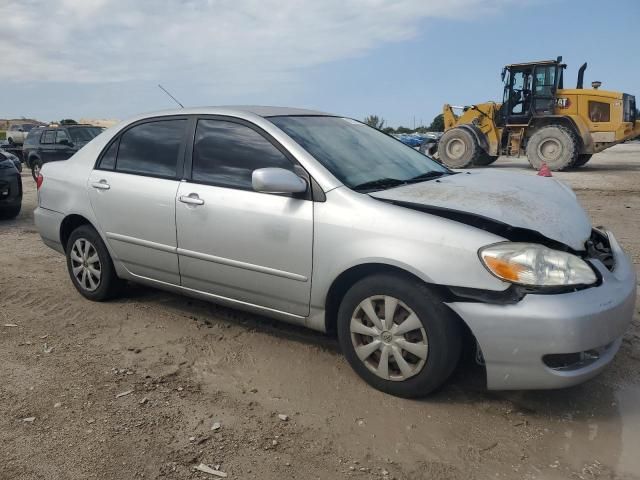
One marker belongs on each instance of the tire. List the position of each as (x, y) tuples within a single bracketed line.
[(458, 148), (485, 159), (35, 165), (80, 255), (555, 145), (9, 213), (434, 325), (10, 140), (428, 148), (582, 159)]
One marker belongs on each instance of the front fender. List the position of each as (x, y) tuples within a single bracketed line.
[(353, 229)]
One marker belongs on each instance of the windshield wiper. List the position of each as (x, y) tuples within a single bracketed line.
[(426, 176), (379, 184)]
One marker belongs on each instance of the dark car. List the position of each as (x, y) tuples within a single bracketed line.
[(50, 144), (10, 188), (6, 155)]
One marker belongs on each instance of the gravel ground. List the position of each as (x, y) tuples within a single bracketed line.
[(132, 388)]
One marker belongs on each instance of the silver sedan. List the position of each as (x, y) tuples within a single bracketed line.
[(322, 221)]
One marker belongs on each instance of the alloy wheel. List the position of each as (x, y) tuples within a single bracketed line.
[(85, 264), (389, 338)]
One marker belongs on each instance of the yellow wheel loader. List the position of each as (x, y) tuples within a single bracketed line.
[(540, 118)]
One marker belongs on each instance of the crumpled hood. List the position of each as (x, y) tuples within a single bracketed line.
[(525, 201)]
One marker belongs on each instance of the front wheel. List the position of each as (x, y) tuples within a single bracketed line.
[(90, 265), (398, 336), (458, 148), (9, 213), (582, 159)]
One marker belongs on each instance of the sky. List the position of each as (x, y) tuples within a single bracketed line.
[(398, 59)]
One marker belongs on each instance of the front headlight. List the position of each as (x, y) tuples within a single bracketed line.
[(531, 264)]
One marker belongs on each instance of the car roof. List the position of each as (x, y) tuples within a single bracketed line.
[(259, 110)]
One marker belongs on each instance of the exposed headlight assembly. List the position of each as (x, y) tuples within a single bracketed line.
[(535, 265)]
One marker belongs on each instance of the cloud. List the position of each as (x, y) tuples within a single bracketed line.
[(231, 44)]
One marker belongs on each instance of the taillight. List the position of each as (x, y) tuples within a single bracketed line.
[(39, 181)]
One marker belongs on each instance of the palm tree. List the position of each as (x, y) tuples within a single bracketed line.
[(374, 121)]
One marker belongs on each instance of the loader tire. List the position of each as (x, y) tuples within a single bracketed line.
[(458, 148), (582, 160), (485, 159), (555, 145)]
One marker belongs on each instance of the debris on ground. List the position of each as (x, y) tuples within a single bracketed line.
[(283, 417), (205, 469), (216, 426), (124, 393), (10, 325), (47, 349), (29, 419)]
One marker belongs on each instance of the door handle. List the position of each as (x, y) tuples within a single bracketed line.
[(191, 199), (101, 185)]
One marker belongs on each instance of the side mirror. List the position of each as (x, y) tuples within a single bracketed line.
[(277, 180)]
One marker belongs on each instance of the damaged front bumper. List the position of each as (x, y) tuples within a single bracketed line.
[(555, 340)]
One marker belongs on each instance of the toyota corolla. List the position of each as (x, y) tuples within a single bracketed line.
[(322, 221)]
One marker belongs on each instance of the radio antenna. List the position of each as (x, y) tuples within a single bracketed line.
[(172, 97)]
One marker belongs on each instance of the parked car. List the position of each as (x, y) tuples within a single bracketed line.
[(325, 222), (10, 188), (17, 133), (4, 155), (51, 144)]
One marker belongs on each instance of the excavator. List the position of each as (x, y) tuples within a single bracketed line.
[(540, 118)]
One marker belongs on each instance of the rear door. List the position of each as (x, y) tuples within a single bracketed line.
[(133, 191), (232, 241)]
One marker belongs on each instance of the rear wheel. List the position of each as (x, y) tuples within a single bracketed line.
[(458, 148), (36, 165), (555, 145), (398, 336), (90, 265), (582, 159)]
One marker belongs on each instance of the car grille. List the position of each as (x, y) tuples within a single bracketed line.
[(599, 248)]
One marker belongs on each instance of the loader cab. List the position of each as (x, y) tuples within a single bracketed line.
[(529, 91)]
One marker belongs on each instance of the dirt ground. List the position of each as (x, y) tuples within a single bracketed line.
[(188, 364)]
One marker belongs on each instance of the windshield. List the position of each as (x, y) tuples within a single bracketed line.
[(27, 127), (360, 156), (84, 134)]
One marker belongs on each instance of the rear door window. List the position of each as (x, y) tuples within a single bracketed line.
[(226, 153), (152, 148)]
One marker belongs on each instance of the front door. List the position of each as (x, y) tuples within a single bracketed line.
[(62, 149), (518, 97), (133, 191), (234, 242)]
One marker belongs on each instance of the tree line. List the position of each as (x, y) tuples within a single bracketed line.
[(437, 125)]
